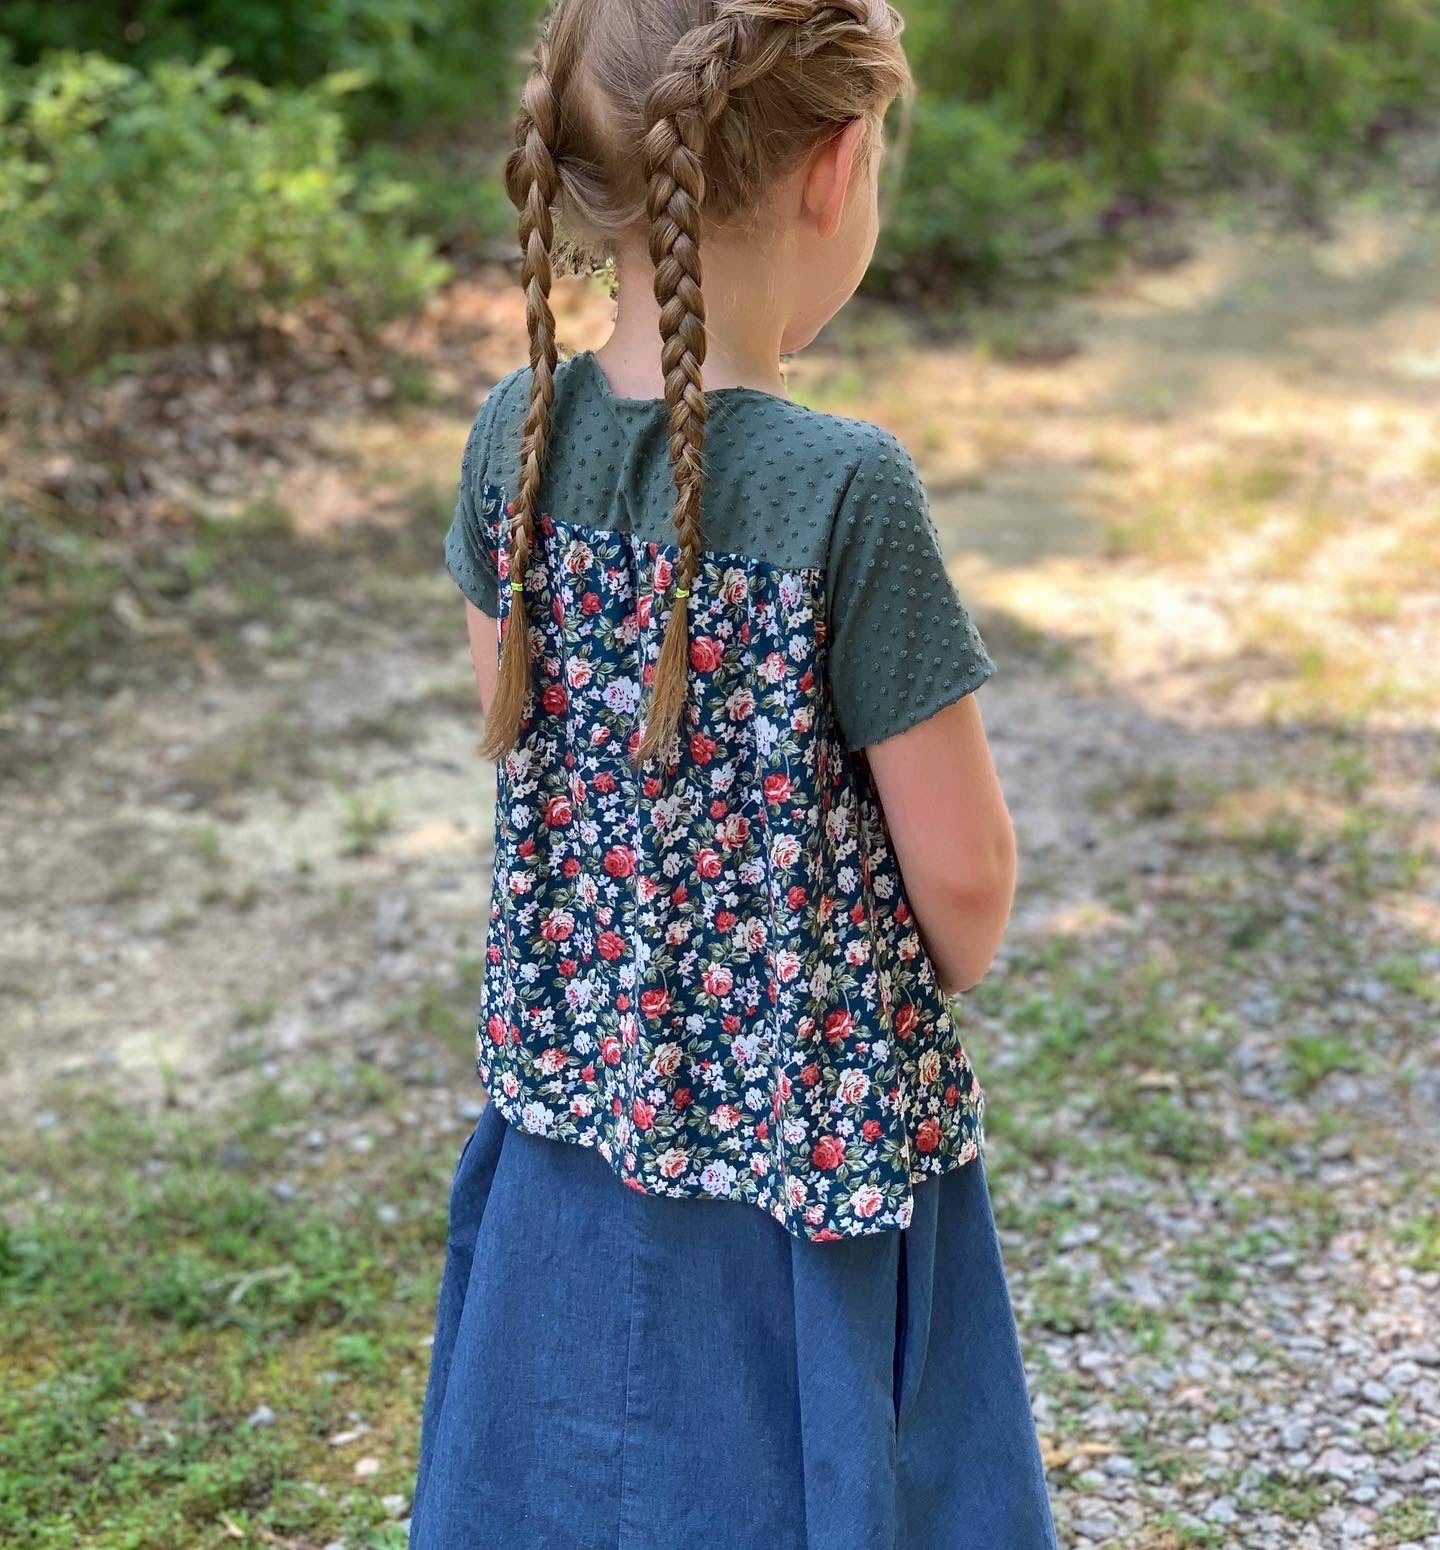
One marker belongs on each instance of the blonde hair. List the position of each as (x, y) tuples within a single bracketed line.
[(721, 97)]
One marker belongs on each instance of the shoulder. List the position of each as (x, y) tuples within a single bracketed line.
[(499, 401), (499, 414), (854, 445), (881, 481)]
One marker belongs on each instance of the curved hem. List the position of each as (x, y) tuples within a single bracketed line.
[(826, 1233)]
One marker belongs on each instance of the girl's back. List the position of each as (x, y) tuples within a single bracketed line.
[(707, 967), (747, 835)]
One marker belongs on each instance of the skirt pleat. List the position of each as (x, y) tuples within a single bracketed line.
[(615, 1371)]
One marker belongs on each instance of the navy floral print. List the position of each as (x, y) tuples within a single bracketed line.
[(709, 972)]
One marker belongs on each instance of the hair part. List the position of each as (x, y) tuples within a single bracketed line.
[(723, 97)]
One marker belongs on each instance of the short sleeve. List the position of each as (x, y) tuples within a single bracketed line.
[(470, 554), (902, 643)]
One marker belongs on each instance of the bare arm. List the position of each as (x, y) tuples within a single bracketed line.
[(484, 651), (953, 838)]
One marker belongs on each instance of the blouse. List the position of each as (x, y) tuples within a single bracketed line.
[(712, 974)]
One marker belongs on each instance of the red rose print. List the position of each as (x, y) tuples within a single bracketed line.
[(866, 1200), (526, 847), (567, 967), (682, 1098), (611, 946), (724, 920), (952, 1095), (587, 1073), (705, 654), (558, 812), (828, 1152), (604, 782), (777, 789), (707, 863), (642, 1113), (495, 1027), (702, 748), (839, 1025), (555, 699), (619, 862), (590, 604), (810, 1075), (906, 1018), (557, 926), (571, 868), (655, 1003), (734, 831), (718, 808), (610, 1050), (871, 1130), (796, 897), (927, 1137)]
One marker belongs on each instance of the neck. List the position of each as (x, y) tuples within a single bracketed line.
[(744, 323)]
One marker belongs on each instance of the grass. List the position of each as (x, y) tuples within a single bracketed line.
[(156, 1290)]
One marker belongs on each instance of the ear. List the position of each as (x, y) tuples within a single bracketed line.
[(829, 174)]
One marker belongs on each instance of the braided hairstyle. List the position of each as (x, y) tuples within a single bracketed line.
[(722, 97)]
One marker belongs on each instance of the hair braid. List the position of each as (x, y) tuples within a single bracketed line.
[(532, 181), (706, 67), (680, 107)]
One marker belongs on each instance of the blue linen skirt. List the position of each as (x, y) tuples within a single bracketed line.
[(617, 1371)]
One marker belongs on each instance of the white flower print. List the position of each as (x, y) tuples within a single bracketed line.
[(705, 967)]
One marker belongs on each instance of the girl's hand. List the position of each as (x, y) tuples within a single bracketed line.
[(484, 651), (952, 836)]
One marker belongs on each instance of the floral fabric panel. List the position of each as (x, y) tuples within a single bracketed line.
[(711, 975)]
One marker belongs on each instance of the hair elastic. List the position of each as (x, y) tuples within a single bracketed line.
[(682, 591), (517, 586)]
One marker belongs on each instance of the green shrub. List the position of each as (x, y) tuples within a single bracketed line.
[(142, 207), (1035, 115), (1144, 88), (974, 207), (418, 58), (1090, 75)]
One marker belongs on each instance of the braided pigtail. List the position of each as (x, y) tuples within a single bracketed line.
[(532, 181), (680, 108)]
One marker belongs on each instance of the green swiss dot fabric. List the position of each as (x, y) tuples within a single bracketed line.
[(786, 485)]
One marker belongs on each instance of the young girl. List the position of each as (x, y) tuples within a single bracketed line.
[(722, 1268)]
